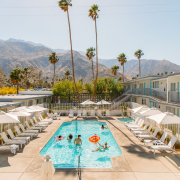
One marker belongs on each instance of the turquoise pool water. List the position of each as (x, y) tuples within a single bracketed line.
[(64, 154), (125, 120)]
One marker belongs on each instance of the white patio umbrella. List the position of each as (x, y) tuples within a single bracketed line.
[(165, 118), (150, 112), (20, 114), (139, 109), (6, 118), (103, 102), (38, 107), (87, 102)]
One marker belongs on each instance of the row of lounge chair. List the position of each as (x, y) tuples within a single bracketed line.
[(92, 113), (24, 137), (142, 134)]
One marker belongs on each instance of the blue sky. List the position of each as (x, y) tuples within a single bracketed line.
[(123, 26)]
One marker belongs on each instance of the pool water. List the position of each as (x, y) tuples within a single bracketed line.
[(125, 120), (64, 154)]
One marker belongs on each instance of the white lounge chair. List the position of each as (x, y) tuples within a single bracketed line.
[(10, 141), (132, 124), (84, 113), (108, 113), (33, 128), (28, 131), (24, 134), (135, 122), (40, 123), (79, 113), (146, 136), (143, 132), (8, 147), (45, 120), (160, 141), (99, 113), (139, 125), (168, 147), (49, 115), (71, 114), (93, 113), (36, 125), (140, 129), (13, 137)]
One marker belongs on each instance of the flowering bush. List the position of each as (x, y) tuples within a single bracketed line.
[(7, 90)]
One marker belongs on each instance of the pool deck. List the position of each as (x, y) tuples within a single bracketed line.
[(137, 162)]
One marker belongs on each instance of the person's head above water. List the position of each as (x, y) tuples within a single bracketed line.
[(60, 136), (102, 126), (105, 143), (79, 136), (70, 136)]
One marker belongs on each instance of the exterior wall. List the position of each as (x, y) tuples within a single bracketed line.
[(162, 85)]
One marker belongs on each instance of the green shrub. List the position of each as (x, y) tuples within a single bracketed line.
[(44, 116), (177, 145)]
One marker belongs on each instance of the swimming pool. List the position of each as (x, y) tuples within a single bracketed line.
[(126, 120), (64, 154)]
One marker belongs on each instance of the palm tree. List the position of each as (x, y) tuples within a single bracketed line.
[(137, 75), (166, 73), (64, 5), (67, 74), (114, 70), (53, 59), (16, 76), (122, 59), (120, 79), (93, 13), (90, 54), (139, 54), (26, 72)]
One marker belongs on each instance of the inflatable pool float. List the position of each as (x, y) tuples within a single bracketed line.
[(94, 139), (57, 138)]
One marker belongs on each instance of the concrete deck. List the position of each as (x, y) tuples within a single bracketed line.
[(137, 162)]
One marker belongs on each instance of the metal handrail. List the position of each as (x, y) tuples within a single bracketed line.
[(78, 162)]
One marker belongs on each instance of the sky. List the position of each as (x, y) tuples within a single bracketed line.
[(123, 26)]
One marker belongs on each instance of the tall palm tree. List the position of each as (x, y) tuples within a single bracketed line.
[(122, 59), (53, 59), (93, 13), (139, 54), (64, 5), (114, 70), (16, 77), (26, 72), (90, 54), (67, 74)]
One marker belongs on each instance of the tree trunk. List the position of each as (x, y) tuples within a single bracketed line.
[(96, 64), (72, 59), (26, 82), (92, 68), (54, 73), (139, 68), (17, 87), (123, 72)]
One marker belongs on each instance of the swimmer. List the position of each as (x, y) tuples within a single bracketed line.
[(70, 137), (78, 141), (60, 137), (103, 127), (104, 147)]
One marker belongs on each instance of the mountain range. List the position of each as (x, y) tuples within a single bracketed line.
[(15, 52), (23, 54)]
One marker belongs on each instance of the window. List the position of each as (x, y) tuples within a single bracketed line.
[(144, 101), (135, 100), (135, 86), (129, 87), (173, 86), (141, 85), (170, 109), (156, 84)]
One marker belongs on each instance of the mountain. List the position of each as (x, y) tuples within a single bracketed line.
[(14, 54), (151, 67)]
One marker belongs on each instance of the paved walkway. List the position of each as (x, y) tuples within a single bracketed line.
[(135, 163)]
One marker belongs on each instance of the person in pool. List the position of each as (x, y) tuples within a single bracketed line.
[(78, 141), (103, 127), (103, 147), (60, 137), (70, 137)]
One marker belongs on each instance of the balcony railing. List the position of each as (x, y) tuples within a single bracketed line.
[(150, 92), (174, 97)]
